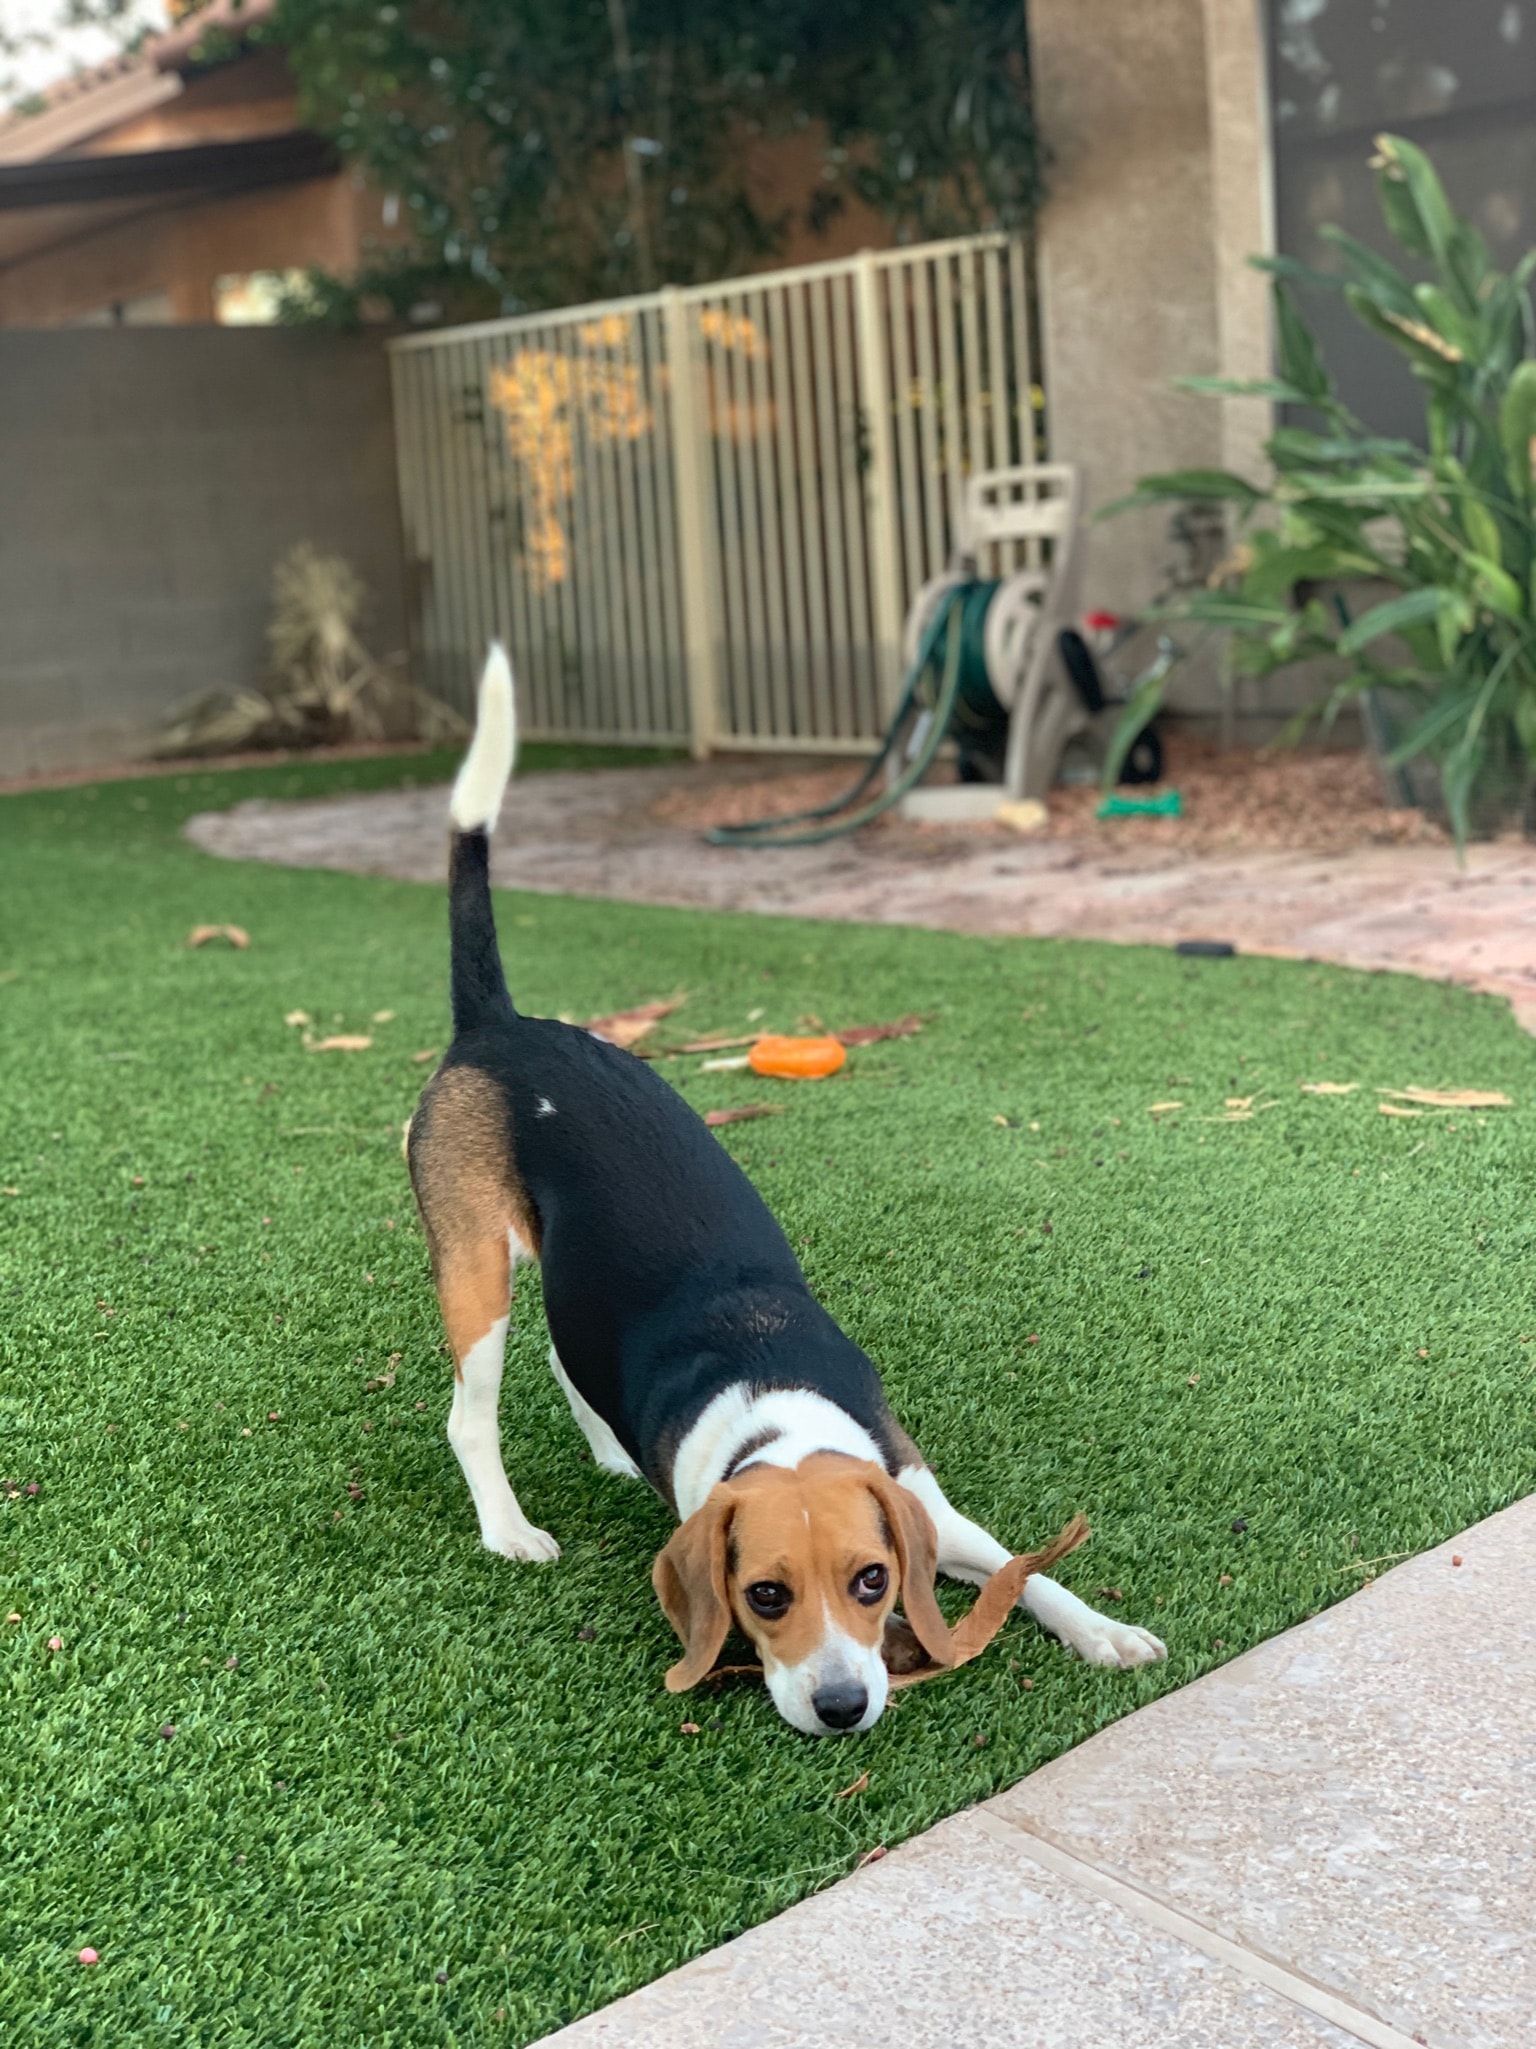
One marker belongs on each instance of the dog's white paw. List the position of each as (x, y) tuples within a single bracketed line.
[(1118, 1643), (522, 1541)]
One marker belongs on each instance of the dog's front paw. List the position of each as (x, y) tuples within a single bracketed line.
[(522, 1541), (1103, 1642)]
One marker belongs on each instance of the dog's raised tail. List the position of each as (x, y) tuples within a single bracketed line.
[(479, 986), (482, 781)]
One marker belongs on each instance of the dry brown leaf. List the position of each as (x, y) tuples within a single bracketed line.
[(869, 1035), (859, 1785), (427, 1053), (341, 1042), (872, 1856), (1157, 1109), (715, 1045), (743, 1114), (1329, 1088), (1452, 1099), (1397, 1110), (235, 934), (627, 1027)]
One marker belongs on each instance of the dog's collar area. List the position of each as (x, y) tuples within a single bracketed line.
[(749, 1448)]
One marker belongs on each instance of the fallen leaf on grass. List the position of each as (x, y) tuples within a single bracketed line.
[(870, 1035), (627, 1027), (1329, 1088), (1452, 1099), (379, 1380), (383, 1017), (235, 934), (627, 1936), (1157, 1109), (10, 1191), (743, 1114), (1397, 1110), (872, 1856), (1241, 1110), (298, 1017), (341, 1042), (858, 1786), (427, 1053)]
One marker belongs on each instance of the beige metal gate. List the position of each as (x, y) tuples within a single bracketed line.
[(697, 517)]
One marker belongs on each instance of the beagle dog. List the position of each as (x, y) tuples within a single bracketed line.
[(692, 1352)]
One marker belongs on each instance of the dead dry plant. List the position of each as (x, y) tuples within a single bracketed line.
[(326, 687)]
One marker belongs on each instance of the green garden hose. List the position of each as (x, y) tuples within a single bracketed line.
[(958, 696)]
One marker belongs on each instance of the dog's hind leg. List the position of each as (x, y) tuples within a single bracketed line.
[(476, 1221), (474, 1428), (606, 1448), (966, 1551)]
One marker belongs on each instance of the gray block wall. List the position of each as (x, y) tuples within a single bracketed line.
[(149, 480)]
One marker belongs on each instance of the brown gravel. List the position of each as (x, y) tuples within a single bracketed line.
[(769, 796), (1297, 799)]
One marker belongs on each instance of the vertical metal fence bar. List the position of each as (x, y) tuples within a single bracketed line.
[(975, 455), (999, 382), (608, 568), (949, 378), (403, 407), (928, 420), (778, 704), (884, 533), (575, 699), (624, 510), (907, 482), (516, 538), (829, 443), (488, 613), (535, 361), (864, 653), (817, 638), (791, 518), (698, 539), (492, 493), (670, 687), (744, 440), (717, 362), (445, 469), (1029, 449)]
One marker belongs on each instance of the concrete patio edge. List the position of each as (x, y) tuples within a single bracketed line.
[(1328, 1840)]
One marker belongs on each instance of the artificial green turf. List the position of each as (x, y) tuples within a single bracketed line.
[(441, 1799)]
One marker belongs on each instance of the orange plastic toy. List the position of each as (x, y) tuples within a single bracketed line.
[(796, 1059)]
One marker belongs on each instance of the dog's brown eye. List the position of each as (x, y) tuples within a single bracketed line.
[(768, 1598), (871, 1584)]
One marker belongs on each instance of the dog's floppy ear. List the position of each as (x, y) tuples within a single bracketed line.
[(917, 1551), (689, 1578)]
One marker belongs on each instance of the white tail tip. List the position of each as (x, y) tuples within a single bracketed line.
[(482, 781)]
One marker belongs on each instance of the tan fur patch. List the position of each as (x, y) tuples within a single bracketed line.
[(470, 1195), (813, 1529)]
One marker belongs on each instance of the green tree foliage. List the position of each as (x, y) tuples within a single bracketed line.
[(551, 151)]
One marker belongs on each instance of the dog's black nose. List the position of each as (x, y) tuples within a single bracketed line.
[(841, 1706)]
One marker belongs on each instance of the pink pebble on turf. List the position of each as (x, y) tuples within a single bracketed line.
[(89, 1956)]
